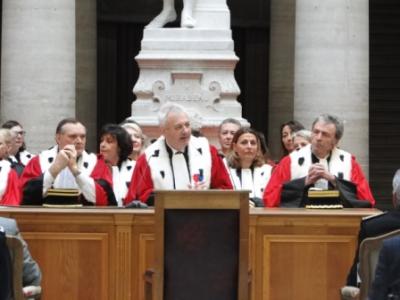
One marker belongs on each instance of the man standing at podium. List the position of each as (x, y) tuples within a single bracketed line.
[(177, 160), (322, 165)]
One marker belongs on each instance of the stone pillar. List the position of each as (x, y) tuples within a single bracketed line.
[(332, 67), (281, 70), (86, 69), (38, 66)]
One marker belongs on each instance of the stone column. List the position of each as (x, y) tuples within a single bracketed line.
[(281, 70), (332, 67), (86, 69), (38, 66)]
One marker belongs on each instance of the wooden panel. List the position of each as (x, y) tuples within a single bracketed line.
[(146, 258), (252, 259), (142, 251), (69, 261), (305, 261), (303, 254), (123, 256)]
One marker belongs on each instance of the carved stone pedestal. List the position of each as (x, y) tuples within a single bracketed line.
[(193, 67)]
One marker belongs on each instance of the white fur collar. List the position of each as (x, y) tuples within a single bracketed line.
[(339, 163), (5, 167), (255, 181), (158, 159), (121, 179)]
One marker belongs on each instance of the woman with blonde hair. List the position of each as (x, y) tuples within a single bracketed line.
[(9, 182), (137, 136)]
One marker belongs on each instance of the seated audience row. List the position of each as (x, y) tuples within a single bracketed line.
[(178, 160)]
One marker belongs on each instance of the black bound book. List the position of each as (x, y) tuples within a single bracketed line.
[(62, 197), (325, 199)]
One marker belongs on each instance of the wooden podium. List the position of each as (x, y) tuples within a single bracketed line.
[(201, 245)]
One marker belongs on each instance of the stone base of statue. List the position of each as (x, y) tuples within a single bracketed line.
[(193, 67)]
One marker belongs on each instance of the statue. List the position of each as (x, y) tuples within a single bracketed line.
[(168, 14)]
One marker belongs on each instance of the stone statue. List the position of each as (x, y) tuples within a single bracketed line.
[(168, 14)]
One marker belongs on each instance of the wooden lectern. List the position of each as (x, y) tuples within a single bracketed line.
[(201, 246)]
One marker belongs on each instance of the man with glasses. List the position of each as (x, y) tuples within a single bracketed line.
[(18, 155)]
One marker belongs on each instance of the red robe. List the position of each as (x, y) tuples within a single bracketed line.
[(142, 185), (282, 174), (11, 195), (101, 175)]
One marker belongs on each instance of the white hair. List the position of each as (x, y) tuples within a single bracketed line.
[(133, 126), (166, 109), (303, 133), (7, 135)]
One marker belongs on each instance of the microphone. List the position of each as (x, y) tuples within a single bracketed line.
[(136, 203)]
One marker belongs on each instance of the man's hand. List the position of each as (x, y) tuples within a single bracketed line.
[(60, 162), (316, 172), (200, 185), (72, 164)]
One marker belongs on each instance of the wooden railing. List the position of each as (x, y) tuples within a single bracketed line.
[(92, 253)]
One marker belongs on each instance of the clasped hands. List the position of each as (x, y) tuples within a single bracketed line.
[(317, 171), (66, 157)]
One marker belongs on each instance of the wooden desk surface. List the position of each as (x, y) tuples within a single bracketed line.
[(102, 253)]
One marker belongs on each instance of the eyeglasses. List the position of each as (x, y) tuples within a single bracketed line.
[(20, 132)]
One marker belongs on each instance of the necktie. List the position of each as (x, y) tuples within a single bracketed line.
[(180, 169), (322, 183)]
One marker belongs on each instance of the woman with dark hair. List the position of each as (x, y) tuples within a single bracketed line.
[(264, 149), (247, 167), (17, 153), (287, 130), (115, 147)]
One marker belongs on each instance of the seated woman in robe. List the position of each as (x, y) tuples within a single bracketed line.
[(247, 168), (116, 146), (9, 183), (137, 136)]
